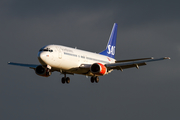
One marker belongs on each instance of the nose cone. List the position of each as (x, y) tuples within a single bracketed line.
[(42, 57)]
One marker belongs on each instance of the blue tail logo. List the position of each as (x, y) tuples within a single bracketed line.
[(111, 46)]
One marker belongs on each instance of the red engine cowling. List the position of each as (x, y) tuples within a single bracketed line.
[(41, 71), (98, 69)]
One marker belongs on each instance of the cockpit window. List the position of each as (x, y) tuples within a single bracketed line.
[(46, 49)]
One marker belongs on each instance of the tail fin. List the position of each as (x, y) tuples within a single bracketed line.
[(111, 46)]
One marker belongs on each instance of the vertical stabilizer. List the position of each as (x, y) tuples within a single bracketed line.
[(111, 46)]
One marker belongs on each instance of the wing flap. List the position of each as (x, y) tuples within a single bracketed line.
[(133, 60)]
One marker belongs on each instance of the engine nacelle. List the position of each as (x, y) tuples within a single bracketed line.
[(98, 69), (41, 71)]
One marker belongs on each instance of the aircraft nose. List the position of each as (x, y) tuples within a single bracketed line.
[(41, 57)]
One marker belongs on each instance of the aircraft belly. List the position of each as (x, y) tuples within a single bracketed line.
[(80, 71)]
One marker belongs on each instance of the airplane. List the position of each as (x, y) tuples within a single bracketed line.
[(67, 60)]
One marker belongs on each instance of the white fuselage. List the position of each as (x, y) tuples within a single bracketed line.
[(65, 58)]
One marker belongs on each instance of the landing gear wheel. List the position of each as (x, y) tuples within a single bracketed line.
[(63, 80), (92, 79), (96, 79), (67, 80)]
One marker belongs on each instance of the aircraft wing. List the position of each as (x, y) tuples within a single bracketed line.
[(124, 64), (119, 65), (32, 66)]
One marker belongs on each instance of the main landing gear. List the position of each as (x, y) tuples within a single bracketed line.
[(65, 79), (94, 78)]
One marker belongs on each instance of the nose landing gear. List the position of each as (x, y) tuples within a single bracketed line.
[(65, 79)]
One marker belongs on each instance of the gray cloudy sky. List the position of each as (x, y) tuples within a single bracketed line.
[(145, 29)]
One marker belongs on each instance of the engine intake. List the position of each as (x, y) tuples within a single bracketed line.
[(41, 71), (98, 69)]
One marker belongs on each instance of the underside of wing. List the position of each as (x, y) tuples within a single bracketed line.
[(32, 66), (124, 64), (128, 66)]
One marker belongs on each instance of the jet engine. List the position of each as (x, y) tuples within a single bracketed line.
[(42, 71), (98, 69)]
